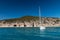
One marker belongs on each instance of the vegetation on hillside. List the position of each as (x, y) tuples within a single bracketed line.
[(33, 18), (22, 19)]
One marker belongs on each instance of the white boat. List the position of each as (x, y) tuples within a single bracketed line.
[(41, 27)]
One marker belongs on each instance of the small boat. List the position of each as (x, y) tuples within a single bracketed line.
[(42, 27)]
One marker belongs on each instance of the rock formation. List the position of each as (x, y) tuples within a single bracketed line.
[(30, 21)]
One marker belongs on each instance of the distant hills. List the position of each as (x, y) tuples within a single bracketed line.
[(34, 18), (46, 21), (22, 19)]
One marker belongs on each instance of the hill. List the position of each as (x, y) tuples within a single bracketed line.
[(44, 20)]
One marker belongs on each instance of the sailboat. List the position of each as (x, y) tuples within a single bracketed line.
[(41, 27)]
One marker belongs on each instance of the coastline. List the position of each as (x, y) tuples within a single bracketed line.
[(31, 21)]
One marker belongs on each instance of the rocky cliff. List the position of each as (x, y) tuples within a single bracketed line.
[(33, 20)]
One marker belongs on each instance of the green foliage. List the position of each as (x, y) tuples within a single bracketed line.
[(22, 19)]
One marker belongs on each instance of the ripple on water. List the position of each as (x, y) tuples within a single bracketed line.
[(29, 34)]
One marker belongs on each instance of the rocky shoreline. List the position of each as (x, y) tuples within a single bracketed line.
[(31, 21)]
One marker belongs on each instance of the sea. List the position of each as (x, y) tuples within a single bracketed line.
[(30, 33)]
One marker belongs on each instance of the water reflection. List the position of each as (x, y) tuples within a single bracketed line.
[(53, 32)]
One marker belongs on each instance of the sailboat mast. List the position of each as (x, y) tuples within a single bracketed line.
[(39, 15), (40, 20)]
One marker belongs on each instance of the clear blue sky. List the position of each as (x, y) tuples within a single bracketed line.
[(19, 8)]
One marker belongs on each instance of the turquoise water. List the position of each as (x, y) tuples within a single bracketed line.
[(30, 34)]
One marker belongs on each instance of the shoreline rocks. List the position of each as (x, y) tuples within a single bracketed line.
[(31, 21)]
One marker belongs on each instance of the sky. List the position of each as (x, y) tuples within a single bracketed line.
[(18, 8)]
